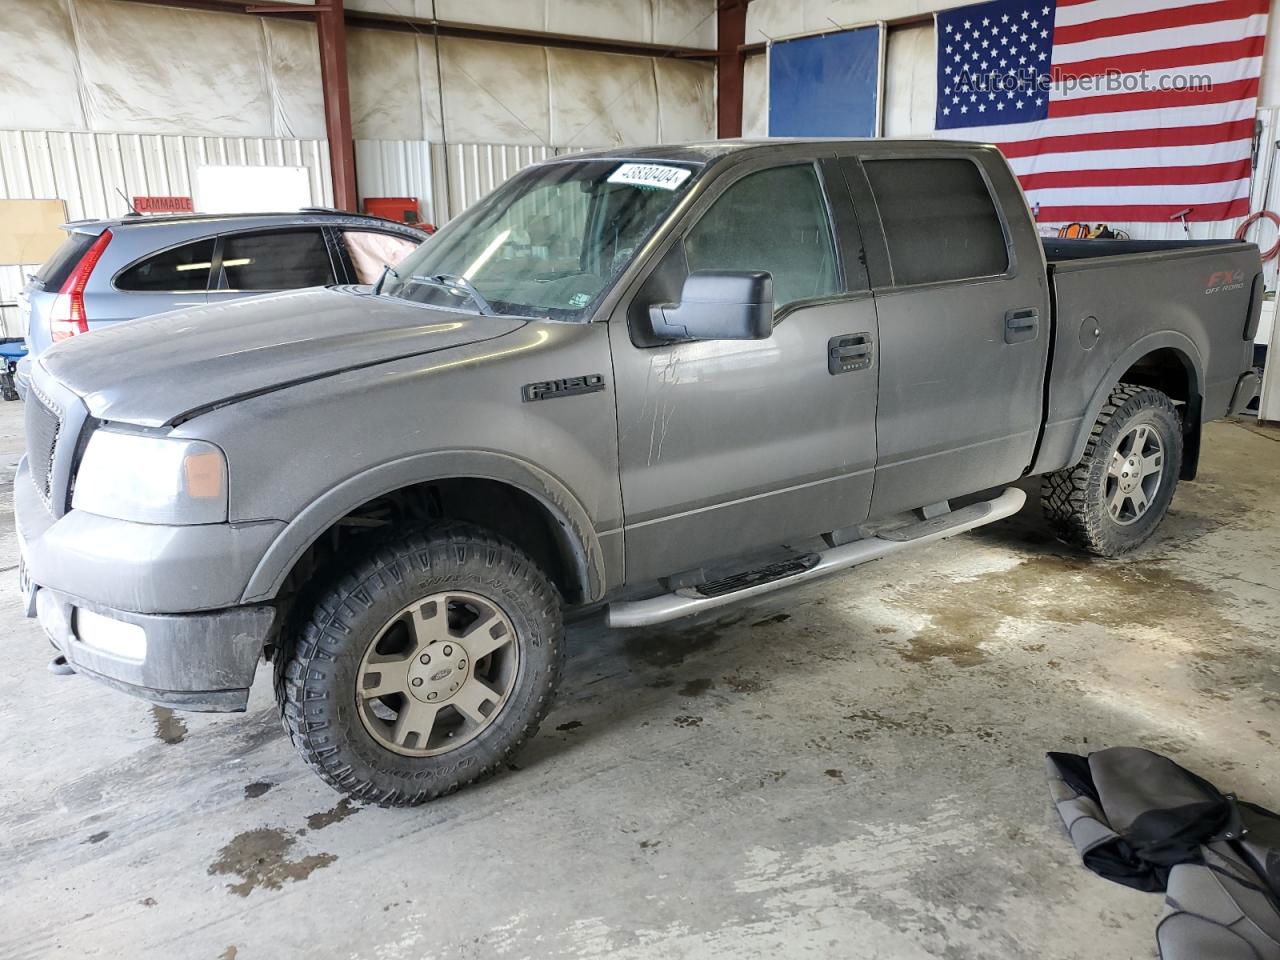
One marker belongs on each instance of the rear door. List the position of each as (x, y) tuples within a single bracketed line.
[(254, 262), (731, 447), (964, 324)]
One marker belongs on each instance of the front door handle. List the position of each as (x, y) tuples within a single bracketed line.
[(1021, 325), (849, 352)]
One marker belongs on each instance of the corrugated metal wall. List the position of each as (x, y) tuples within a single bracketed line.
[(417, 168), (89, 171)]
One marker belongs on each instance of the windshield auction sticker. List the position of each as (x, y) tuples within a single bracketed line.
[(654, 175)]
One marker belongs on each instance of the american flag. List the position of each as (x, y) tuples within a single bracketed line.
[(1109, 110)]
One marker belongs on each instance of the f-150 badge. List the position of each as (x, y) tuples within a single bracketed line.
[(568, 387)]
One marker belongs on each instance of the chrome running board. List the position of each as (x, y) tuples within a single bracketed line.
[(687, 601)]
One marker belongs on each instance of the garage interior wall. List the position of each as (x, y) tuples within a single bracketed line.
[(909, 91), (100, 98)]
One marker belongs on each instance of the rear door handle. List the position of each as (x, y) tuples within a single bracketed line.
[(1021, 325), (849, 352)]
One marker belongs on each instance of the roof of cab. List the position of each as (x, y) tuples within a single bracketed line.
[(706, 151)]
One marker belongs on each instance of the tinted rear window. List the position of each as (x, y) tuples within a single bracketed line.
[(53, 273), (939, 220), (181, 269)]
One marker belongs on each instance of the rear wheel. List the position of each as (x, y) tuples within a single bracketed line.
[(425, 667), (1112, 501)]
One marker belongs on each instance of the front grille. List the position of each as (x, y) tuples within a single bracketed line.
[(43, 426)]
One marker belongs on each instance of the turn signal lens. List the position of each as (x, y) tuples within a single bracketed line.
[(203, 475)]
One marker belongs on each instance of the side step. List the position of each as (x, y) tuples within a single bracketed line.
[(683, 602)]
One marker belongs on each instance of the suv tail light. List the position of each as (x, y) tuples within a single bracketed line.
[(67, 316)]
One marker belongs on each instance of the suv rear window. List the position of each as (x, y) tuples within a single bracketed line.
[(183, 269), (939, 220), (53, 273)]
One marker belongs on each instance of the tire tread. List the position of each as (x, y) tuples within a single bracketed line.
[(1066, 495), (326, 633)]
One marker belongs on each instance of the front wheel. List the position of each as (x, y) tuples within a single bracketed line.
[(1112, 501), (425, 667)]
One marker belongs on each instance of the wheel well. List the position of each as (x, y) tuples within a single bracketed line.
[(499, 507), (1172, 373)]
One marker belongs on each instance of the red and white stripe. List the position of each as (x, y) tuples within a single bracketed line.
[(1143, 156)]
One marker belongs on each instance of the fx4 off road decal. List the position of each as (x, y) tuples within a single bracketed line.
[(1224, 280), (568, 387)]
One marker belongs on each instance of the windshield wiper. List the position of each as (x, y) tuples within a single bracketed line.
[(454, 284), (386, 268)]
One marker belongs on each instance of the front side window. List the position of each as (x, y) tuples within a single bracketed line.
[(939, 220), (275, 260), (371, 251), (183, 269), (774, 220), (549, 243)]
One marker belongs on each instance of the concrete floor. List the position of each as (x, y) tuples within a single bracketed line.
[(853, 769)]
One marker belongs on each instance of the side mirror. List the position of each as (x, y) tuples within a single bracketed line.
[(718, 305)]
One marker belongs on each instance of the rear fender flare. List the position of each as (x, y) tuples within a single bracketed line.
[(323, 512), (1181, 344)]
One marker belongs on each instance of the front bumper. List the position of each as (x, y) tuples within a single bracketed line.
[(191, 643), (193, 661)]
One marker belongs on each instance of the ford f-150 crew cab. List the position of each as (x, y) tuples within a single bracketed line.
[(658, 379)]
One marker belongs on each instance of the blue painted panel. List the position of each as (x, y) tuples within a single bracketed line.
[(825, 86)]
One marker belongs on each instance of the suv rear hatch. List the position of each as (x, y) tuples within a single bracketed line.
[(52, 304)]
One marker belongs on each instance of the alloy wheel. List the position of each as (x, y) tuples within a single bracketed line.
[(1133, 476), (437, 673)]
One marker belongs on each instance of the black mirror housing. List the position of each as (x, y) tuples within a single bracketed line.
[(718, 305)]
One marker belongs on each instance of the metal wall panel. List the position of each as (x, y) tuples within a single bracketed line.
[(87, 169)]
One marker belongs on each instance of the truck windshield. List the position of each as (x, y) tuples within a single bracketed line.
[(546, 244)]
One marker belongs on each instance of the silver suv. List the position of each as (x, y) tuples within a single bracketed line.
[(112, 270)]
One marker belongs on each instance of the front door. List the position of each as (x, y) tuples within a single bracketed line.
[(732, 447), (964, 326)]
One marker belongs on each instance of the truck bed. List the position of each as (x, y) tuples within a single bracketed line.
[(1118, 301)]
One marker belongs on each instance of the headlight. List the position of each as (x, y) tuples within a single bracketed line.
[(146, 479)]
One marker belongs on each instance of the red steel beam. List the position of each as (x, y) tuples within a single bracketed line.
[(731, 34), (331, 26), (448, 28)]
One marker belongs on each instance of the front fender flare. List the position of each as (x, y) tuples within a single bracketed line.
[(323, 512), (1180, 343)]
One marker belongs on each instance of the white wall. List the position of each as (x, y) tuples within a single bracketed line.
[(522, 94), (684, 23), (910, 96), (109, 67), (775, 19)]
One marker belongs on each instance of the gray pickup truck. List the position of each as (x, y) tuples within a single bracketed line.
[(659, 380)]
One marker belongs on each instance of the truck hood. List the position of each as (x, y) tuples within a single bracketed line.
[(168, 368)]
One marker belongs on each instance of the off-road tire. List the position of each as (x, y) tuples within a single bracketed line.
[(1073, 499), (315, 680)]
